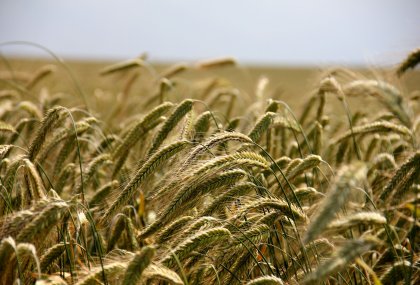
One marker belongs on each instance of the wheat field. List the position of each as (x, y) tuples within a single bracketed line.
[(186, 175)]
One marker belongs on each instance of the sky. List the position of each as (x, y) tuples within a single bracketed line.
[(273, 32)]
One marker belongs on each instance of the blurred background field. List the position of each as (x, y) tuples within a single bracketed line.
[(290, 84), (293, 85)]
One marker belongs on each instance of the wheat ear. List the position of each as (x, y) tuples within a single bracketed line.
[(40, 74), (409, 62), (182, 109), (220, 201), (387, 94), (7, 247), (122, 222), (92, 168), (112, 270), (150, 165), (190, 193), (391, 254), (138, 264), (306, 193), (347, 178), (240, 266), (407, 186), (46, 125), (400, 176), (168, 232), (52, 254), (31, 109), (395, 273), (342, 257), (140, 128), (266, 280), (204, 238), (11, 173), (217, 139), (315, 250), (261, 126), (174, 70), (376, 127), (6, 128), (5, 150), (239, 159), (23, 249), (122, 66), (361, 218), (199, 224), (216, 63), (44, 222), (202, 125), (34, 176), (102, 193), (282, 206), (80, 126), (307, 163), (253, 236), (160, 272)]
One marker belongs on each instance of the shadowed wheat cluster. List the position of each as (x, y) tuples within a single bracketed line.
[(192, 181)]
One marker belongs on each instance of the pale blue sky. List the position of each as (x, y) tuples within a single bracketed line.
[(296, 32)]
